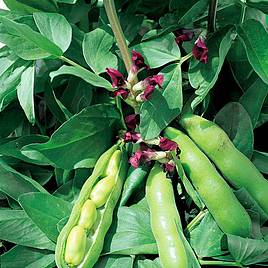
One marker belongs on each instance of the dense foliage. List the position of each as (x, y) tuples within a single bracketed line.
[(72, 85)]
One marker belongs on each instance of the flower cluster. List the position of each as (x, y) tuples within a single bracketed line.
[(200, 50), (158, 149), (127, 88)]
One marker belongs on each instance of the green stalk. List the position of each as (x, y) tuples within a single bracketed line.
[(73, 63), (186, 57), (212, 16), (243, 11), (220, 263), (196, 220), (118, 32)]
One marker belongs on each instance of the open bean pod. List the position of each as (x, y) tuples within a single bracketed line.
[(81, 240)]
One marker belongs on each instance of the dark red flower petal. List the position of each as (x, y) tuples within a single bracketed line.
[(152, 82), (156, 80), (169, 167), (183, 35), (200, 50), (132, 136), (138, 61), (147, 93), (135, 159), (167, 144), (120, 92), (147, 152), (132, 121), (117, 78)]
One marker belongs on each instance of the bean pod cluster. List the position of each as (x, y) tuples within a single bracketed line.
[(81, 240), (234, 165)]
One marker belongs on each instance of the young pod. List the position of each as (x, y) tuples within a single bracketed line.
[(101, 191), (217, 195), (88, 215), (165, 220), (75, 246), (84, 214), (234, 165)]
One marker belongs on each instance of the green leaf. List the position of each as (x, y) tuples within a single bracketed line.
[(260, 160), (15, 5), (140, 263), (55, 28), (67, 1), (10, 81), (77, 95), (18, 228), (259, 4), (153, 119), (14, 183), (12, 146), (114, 261), (84, 74), (240, 66), (250, 204), (79, 141), (96, 49), (24, 257), (204, 76), (45, 211), (25, 92), (254, 37), (159, 51), (247, 251), (235, 121), (32, 46), (133, 234), (206, 238), (55, 106), (253, 99), (193, 13), (7, 59), (42, 5), (12, 114), (135, 178)]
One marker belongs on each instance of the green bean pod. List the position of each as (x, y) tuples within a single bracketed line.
[(217, 195), (234, 165), (96, 232), (165, 220)]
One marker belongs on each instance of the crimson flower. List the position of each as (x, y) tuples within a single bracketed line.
[(135, 159), (200, 50), (148, 85), (183, 35), (117, 78), (132, 120), (120, 92), (132, 136), (169, 167), (138, 61), (138, 64), (167, 144)]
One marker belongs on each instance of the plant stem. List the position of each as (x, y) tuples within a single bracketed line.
[(118, 32), (212, 16), (220, 263), (243, 11), (196, 220), (73, 63), (186, 57)]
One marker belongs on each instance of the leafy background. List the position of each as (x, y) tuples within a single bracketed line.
[(57, 117)]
